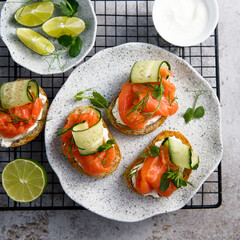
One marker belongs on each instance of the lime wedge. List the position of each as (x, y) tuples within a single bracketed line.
[(34, 14), (58, 26), (24, 180), (35, 41)]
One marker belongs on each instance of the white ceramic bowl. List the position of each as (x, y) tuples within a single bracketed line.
[(213, 16), (37, 63)]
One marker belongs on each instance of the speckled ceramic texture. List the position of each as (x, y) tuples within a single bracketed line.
[(106, 72), (35, 62)]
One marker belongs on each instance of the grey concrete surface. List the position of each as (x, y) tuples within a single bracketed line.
[(220, 223)]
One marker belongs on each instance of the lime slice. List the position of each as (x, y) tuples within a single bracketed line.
[(34, 14), (24, 180), (35, 41), (58, 26)]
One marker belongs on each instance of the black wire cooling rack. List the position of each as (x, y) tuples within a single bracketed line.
[(118, 22)]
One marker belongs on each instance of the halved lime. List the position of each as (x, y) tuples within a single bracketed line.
[(59, 26), (34, 14), (35, 41), (24, 180)]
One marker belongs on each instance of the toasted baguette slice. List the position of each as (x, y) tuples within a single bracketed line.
[(127, 130), (74, 163), (40, 124), (139, 160)]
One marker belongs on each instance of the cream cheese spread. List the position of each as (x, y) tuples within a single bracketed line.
[(117, 116)]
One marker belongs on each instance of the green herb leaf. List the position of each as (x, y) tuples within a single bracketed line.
[(79, 96), (110, 141), (76, 47), (188, 115), (65, 40), (154, 151), (164, 184), (191, 112), (144, 155), (74, 5), (176, 178), (104, 147), (156, 94), (199, 112), (69, 8), (98, 100), (65, 10)]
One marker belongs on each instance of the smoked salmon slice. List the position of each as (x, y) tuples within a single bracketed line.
[(136, 102), (94, 164), (18, 120), (149, 176)]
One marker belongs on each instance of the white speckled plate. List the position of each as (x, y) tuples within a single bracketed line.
[(109, 196), (41, 64)]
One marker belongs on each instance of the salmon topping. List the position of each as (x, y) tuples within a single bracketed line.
[(149, 176), (18, 120), (137, 104), (94, 164)]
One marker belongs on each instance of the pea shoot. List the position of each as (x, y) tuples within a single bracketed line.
[(192, 113), (96, 99), (176, 178)]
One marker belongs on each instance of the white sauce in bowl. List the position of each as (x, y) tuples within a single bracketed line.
[(179, 21)]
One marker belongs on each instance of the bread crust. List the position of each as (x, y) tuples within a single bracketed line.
[(117, 150), (40, 124), (139, 160)]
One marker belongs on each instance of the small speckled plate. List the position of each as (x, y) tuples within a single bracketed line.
[(41, 64), (106, 72)]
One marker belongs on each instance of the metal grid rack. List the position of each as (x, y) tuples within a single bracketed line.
[(118, 22)]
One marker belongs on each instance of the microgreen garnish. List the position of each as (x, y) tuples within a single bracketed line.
[(69, 7), (55, 57), (176, 178), (154, 151), (109, 144), (74, 45), (169, 99), (130, 172), (157, 92), (96, 99), (70, 142), (192, 112)]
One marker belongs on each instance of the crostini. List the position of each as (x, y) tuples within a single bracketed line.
[(163, 167), (88, 144), (24, 107), (145, 100)]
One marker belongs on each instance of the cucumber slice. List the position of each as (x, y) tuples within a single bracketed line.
[(147, 71), (18, 93), (88, 139), (194, 161), (165, 142), (181, 154)]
